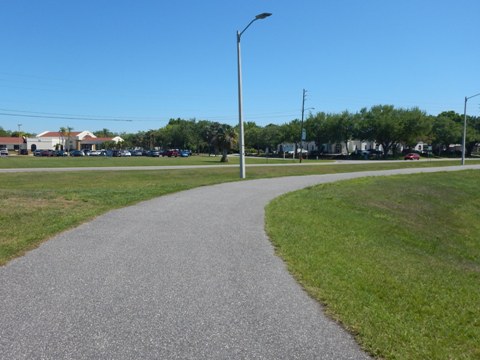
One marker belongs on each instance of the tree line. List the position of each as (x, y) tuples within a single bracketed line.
[(385, 125)]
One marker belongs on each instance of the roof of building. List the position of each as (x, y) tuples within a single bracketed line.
[(57, 134), (4, 140)]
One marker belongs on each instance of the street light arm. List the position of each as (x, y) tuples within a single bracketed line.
[(469, 97), (258, 17), (239, 34)]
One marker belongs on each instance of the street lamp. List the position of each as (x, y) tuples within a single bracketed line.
[(240, 114), (465, 126)]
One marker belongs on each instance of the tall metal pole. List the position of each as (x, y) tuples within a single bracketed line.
[(241, 141), (301, 126), (464, 130), (464, 137), (19, 139)]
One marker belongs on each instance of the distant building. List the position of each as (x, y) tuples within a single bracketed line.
[(13, 143), (75, 140), (327, 149)]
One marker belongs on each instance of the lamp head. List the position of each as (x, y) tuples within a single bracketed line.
[(262, 16)]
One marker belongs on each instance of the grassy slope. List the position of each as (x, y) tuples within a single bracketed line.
[(397, 260), (35, 206)]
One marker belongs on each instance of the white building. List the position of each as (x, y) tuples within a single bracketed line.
[(332, 149), (78, 140)]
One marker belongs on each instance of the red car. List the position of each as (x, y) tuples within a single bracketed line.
[(411, 156), (171, 153)]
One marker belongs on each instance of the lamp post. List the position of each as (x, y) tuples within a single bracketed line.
[(465, 126), (241, 142)]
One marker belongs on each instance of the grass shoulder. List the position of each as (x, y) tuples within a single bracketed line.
[(23, 162), (396, 259), (36, 206)]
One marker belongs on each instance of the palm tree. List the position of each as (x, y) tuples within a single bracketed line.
[(63, 132), (69, 134), (224, 138)]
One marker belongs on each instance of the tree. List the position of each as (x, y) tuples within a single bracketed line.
[(4, 133), (253, 138), (382, 124), (291, 132), (271, 136), (63, 134), (341, 128), (104, 133), (473, 134), (319, 129), (201, 136), (225, 138), (445, 131), (416, 126)]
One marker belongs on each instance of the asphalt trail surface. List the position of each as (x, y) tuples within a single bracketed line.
[(191, 275)]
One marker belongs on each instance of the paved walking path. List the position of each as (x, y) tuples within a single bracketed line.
[(191, 275)]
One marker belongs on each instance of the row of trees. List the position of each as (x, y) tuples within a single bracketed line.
[(383, 124), (392, 128)]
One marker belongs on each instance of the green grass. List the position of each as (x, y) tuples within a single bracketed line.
[(100, 161), (35, 206), (395, 259)]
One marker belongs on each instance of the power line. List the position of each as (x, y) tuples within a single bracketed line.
[(36, 114), (64, 117)]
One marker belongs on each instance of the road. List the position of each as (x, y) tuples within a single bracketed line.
[(190, 275), (178, 167)]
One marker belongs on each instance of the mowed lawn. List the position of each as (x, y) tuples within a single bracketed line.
[(106, 161), (37, 205), (394, 259)]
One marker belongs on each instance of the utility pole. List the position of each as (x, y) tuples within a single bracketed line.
[(19, 139), (302, 133)]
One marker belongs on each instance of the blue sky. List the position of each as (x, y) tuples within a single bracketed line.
[(147, 61)]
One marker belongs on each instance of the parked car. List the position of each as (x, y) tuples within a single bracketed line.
[(37, 152), (153, 153), (47, 153), (171, 152), (77, 153), (61, 153), (411, 156), (124, 153), (136, 152), (3, 152), (185, 153)]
